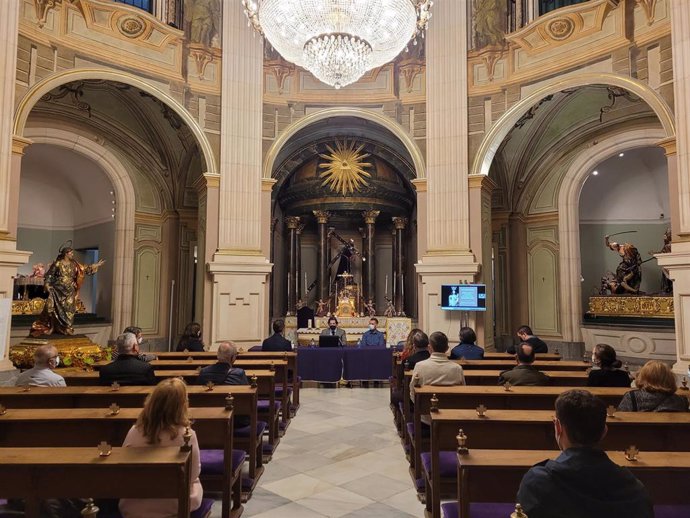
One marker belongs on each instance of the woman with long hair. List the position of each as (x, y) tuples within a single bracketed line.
[(191, 339), (163, 422), (408, 349), (607, 369), (656, 391)]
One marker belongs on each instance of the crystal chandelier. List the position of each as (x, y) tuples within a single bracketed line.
[(339, 40)]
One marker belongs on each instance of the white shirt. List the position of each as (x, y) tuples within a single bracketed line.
[(40, 377)]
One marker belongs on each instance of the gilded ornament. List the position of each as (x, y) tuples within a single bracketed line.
[(561, 28), (345, 168), (131, 26)]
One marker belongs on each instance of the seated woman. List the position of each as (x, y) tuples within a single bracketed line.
[(162, 422), (191, 339), (656, 391), (607, 369), (408, 348)]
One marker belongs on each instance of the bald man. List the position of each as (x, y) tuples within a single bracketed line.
[(41, 375)]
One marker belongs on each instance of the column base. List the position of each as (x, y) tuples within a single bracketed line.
[(240, 299), (677, 263), (10, 260), (434, 271)]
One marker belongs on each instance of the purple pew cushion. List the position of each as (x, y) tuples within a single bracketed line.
[(671, 511), (263, 405), (450, 510), (448, 463), (426, 430), (212, 461), (243, 431), (204, 508)]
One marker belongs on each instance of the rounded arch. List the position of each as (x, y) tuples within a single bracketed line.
[(361, 113), (500, 129), (123, 267), (568, 218), (49, 83)]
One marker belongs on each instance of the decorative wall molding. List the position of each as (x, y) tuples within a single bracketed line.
[(649, 8)]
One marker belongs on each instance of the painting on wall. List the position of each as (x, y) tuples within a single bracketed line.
[(202, 22)]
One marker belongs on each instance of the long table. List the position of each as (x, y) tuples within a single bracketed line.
[(329, 365)]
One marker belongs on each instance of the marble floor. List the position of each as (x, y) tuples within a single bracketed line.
[(340, 458)]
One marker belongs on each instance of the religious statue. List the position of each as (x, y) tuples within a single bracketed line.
[(62, 282), (370, 308), (38, 270), (628, 275), (488, 22), (666, 282), (322, 307), (204, 18), (390, 308)]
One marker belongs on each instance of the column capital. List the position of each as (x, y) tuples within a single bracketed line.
[(206, 181), (669, 145), (19, 144), (267, 184), (419, 184), (370, 216), (322, 216), (292, 222), (481, 181), (300, 228), (400, 223)]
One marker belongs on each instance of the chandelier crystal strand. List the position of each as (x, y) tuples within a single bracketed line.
[(338, 40)]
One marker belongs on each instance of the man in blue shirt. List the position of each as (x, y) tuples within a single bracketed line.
[(467, 348), (373, 337)]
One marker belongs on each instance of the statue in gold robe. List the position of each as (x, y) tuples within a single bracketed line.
[(62, 282)]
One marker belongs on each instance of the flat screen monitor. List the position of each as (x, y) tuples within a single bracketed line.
[(329, 341), (463, 297)]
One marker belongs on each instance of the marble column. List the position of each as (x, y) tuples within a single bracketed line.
[(11, 150), (322, 265), (299, 277), (240, 266), (369, 266), (292, 223), (399, 265), (447, 258)]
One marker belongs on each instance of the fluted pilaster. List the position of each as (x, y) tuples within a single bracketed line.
[(447, 132), (240, 156)]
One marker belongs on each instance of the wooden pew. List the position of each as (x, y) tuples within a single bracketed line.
[(506, 356), (265, 385), (494, 475), (240, 398), (34, 474), (506, 364), (494, 398), (533, 430), (80, 427)]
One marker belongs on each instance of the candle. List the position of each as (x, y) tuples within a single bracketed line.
[(305, 284), (386, 291)]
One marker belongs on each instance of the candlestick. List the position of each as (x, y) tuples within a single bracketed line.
[(386, 291), (305, 284)]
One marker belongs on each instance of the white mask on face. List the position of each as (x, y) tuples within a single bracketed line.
[(139, 340), (372, 327), (53, 364)]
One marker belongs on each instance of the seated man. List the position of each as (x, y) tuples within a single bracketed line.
[(467, 348), (421, 350), (373, 337), (41, 375), (438, 369), (334, 330), (136, 331), (276, 342), (525, 335), (223, 373), (127, 369), (582, 482), (524, 373)]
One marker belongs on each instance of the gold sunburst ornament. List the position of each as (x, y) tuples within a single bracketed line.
[(344, 169)]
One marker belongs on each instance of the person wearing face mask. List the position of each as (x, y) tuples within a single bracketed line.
[(582, 482), (136, 331), (191, 340), (373, 337), (41, 375), (334, 330)]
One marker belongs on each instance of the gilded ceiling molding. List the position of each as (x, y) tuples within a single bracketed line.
[(649, 8)]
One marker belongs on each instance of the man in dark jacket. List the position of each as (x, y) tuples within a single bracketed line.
[(524, 373), (127, 369), (276, 342), (467, 348), (525, 335), (582, 482)]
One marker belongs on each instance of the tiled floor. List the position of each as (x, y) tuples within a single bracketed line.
[(341, 457)]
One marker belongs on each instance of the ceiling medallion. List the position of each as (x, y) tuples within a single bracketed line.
[(344, 170), (561, 28), (339, 40), (131, 26)]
